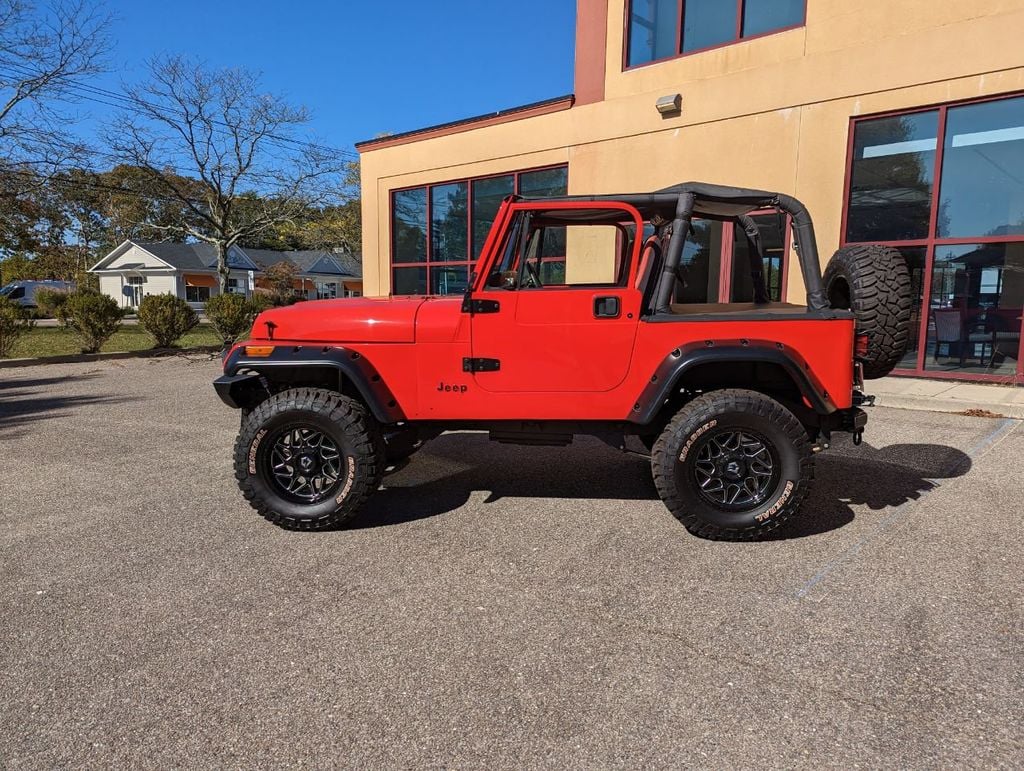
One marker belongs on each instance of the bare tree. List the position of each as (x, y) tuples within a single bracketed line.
[(229, 152), (45, 55)]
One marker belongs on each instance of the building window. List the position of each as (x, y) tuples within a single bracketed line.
[(236, 286), (326, 290), (197, 294), (662, 29), (438, 231), (942, 187)]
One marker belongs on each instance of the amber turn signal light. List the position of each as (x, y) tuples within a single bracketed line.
[(259, 351)]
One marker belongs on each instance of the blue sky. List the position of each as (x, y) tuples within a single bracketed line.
[(363, 67)]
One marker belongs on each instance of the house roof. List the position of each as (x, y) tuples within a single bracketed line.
[(203, 257)]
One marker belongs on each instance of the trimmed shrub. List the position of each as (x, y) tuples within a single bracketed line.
[(93, 317), (166, 318), (14, 322), (51, 301), (231, 315)]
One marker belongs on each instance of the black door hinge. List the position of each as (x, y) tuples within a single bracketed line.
[(480, 365), (470, 305)]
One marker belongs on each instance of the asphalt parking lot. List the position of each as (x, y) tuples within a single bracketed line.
[(494, 606)]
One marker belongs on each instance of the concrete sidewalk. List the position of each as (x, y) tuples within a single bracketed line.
[(947, 396)]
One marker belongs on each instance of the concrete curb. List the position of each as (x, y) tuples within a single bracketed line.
[(79, 358), (948, 396)]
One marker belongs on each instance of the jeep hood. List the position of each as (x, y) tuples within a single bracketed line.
[(349, 320)]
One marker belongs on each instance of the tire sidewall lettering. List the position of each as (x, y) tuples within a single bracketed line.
[(349, 480), (780, 502), (696, 435), (254, 450)]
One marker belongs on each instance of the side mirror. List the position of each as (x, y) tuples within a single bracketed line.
[(509, 280)]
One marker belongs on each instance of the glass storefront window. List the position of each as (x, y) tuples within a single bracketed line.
[(708, 23), (436, 257), (652, 30), (982, 191), (916, 264), (761, 16), (658, 29), (891, 179), (409, 225), (976, 304), (449, 208), (409, 281), (969, 244), (488, 193)]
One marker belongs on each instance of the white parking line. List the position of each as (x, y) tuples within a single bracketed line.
[(1001, 431)]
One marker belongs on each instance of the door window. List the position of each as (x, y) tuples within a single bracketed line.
[(565, 248)]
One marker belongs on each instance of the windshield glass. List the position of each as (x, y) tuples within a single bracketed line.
[(6, 290)]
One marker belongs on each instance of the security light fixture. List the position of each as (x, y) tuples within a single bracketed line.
[(669, 105)]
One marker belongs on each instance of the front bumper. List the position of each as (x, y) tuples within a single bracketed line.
[(238, 391)]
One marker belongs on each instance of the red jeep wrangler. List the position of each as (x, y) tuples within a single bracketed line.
[(585, 315)]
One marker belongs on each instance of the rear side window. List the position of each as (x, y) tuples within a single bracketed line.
[(17, 293)]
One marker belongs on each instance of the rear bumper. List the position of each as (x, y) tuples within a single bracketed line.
[(237, 391)]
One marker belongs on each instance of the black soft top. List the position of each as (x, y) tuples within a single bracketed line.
[(680, 203)]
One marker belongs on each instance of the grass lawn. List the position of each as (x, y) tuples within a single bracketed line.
[(54, 341)]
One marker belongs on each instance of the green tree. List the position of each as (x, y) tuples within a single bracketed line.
[(237, 142)]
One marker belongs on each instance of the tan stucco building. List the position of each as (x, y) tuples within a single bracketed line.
[(897, 122)]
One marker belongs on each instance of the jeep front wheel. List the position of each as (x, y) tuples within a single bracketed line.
[(733, 465), (308, 458)]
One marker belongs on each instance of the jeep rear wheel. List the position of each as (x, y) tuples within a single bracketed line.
[(733, 465), (308, 458), (874, 283)]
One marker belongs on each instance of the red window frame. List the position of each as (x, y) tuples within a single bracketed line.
[(429, 265), (932, 241), (680, 13)]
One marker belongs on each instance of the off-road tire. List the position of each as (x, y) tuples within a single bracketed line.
[(874, 283), (693, 431), (344, 421)]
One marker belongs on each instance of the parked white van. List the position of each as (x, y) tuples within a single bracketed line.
[(24, 292)]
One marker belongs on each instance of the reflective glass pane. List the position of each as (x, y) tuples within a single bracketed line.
[(976, 301), (708, 23), (761, 16), (409, 281), (915, 259), (487, 197), (982, 184), (450, 279), (652, 30), (449, 226), (892, 178), (409, 225), (544, 183), (700, 265), (773, 233)]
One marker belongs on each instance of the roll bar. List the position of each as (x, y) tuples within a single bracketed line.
[(680, 203)]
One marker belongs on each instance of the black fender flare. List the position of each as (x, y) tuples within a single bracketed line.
[(683, 359), (242, 383)]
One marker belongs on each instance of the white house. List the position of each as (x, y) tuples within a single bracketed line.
[(189, 271)]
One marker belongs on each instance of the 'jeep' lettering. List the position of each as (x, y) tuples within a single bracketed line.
[(452, 389)]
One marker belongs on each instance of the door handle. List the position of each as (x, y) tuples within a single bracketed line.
[(607, 307)]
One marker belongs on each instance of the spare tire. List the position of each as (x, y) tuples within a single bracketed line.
[(874, 283)]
